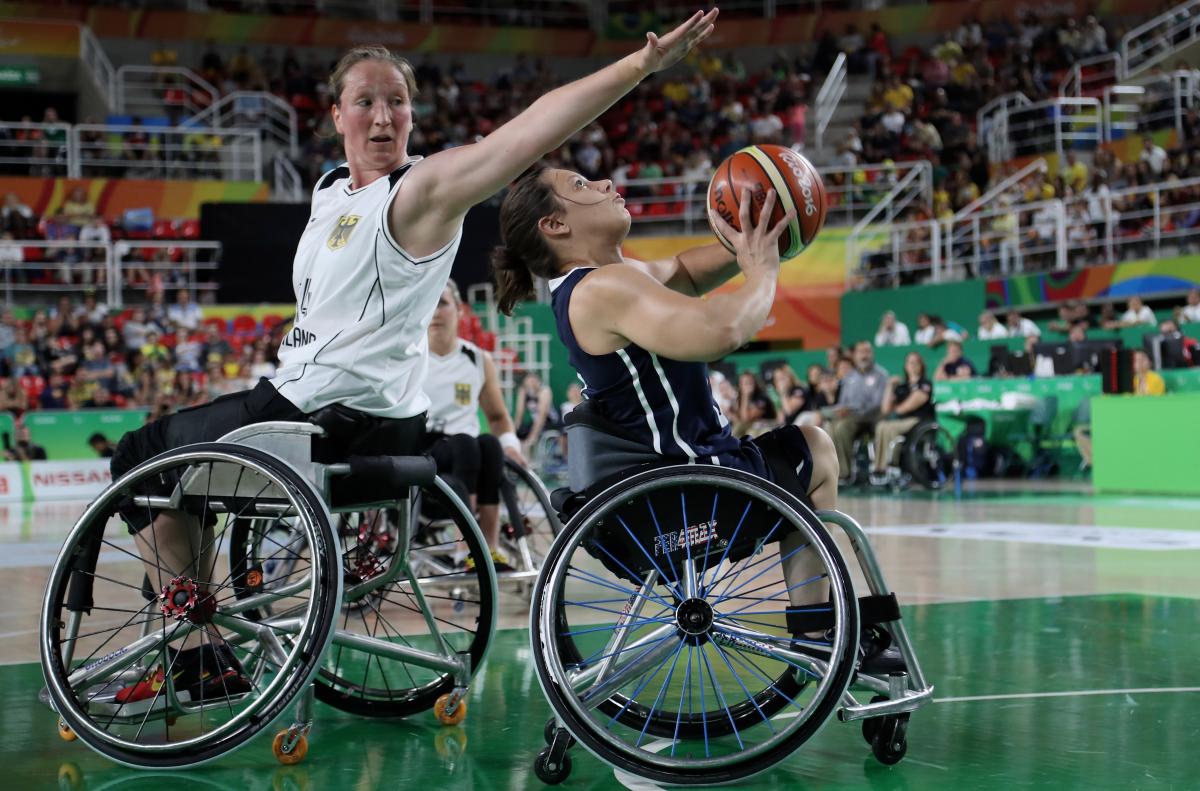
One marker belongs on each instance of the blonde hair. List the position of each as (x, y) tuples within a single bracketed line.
[(337, 80)]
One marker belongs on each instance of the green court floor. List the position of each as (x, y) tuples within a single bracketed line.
[(1081, 692)]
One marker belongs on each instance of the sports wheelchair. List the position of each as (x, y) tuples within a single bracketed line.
[(303, 602), (697, 624), (927, 457)]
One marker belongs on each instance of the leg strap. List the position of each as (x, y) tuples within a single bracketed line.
[(872, 610)]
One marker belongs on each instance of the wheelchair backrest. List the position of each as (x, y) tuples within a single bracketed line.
[(598, 449)]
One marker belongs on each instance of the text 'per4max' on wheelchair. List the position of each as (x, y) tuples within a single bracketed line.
[(696, 624), (288, 573)]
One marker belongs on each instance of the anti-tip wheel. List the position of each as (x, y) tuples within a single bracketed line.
[(65, 733), (890, 743), (550, 774), (450, 717), (293, 756)]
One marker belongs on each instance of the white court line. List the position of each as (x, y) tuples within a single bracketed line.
[(1078, 693)]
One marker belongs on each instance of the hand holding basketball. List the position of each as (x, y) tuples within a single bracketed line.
[(756, 246), (663, 53), (761, 169)]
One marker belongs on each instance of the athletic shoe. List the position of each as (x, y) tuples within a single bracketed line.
[(147, 688), (499, 562)]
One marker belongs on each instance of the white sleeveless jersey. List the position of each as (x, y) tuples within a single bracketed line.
[(363, 304), (453, 386)]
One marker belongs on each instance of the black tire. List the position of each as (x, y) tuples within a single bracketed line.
[(527, 516), (305, 650), (551, 777), (870, 726), (395, 690), (929, 456), (891, 741), (683, 774)]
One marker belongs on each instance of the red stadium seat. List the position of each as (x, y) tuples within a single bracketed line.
[(164, 229), (189, 229), (271, 321), (244, 325), (216, 321), (33, 386)]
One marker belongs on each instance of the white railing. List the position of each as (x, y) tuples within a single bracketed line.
[(98, 66), (162, 152), (163, 91), (956, 230), (851, 192), (1153, 221), (287, 184), (140, 266), (28, 149), (66, 265), (254, 110), (1157, 103), (1154, 42), (831, 93), (916, 185), (990, 123), (895, 254), (1054, 125), (1089, 76)]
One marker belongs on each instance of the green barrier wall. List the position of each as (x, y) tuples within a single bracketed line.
[(960, 301), (1146, 444), (64, 434)]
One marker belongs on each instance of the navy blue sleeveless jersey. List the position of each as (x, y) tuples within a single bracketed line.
[(666, 403)]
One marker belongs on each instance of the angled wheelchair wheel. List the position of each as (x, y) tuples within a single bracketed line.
[(528, 522), (694, 625), (422, 583), (113, 626), (929, 455)]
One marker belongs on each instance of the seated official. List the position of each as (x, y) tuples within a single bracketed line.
[(907, 402), (954, 365)]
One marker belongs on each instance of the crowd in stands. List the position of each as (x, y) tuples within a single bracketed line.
[(158, 356)]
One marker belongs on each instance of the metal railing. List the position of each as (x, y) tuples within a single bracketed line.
[(1105, 226), (161, 152), (850, 193), (287, 183), (65, 266), (990, 120), (1158, 103), (1057, 125), (142, 266), (1155, 41), (28, 149), (831, 93), (98, 66), (1089, 76), (254, 110), (163, 91), (957, 228)]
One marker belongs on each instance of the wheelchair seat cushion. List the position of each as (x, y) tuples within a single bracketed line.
[(350, 432)]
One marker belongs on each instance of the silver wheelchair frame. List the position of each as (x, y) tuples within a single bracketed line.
[(288, 444)]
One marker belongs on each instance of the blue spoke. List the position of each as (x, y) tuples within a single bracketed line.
[(648, 646), (776, 595), (687, 544), (596, 654), (756, 671), (712, 679), (782, 659), (687, 675), (749, 697), (779, 561), (662, 691), (621, 519), (732, 539), (588, 576), (762, 543), (646, 679), (746, 594), (658, 531), (600, 609), (703, 709)]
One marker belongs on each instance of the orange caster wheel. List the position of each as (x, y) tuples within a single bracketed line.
[(295, 755), (450, 717), (65, 733)]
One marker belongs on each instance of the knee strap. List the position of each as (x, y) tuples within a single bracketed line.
[(872, 610)]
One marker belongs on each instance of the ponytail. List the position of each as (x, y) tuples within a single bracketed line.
[(523, 252)]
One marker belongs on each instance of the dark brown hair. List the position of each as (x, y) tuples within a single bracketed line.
[(523, 252), (337, 80)]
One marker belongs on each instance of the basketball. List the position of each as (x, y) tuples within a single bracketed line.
[(760, 168)]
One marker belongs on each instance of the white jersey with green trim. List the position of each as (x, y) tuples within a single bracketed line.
[(363, 304), (453, 386)]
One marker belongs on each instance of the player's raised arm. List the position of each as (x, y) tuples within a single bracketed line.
[(453, 181)]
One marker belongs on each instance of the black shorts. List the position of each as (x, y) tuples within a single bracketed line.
[(789, 459), (209, 422)]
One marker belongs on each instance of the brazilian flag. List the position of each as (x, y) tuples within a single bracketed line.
[(632, 24)]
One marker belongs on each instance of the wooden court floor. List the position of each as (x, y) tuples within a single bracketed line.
[(1060, 630)]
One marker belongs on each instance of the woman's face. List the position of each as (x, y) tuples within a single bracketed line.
[(912, 365), (445, 315), (374, 116), (588, 208)]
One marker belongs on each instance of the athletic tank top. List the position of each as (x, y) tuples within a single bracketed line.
[(453, 386), (666, 403), (363, 304)]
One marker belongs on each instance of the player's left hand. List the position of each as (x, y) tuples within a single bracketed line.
[(663, 53)]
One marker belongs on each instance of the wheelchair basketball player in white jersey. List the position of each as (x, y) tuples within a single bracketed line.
[(369, 269)]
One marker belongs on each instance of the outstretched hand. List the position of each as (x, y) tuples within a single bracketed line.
[(663, 53)]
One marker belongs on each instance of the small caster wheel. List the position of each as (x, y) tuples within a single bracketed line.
[(890, 742), (293, 756), (551, 729), (65, 733), (871, 726), (551, 773), (450, 717)]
